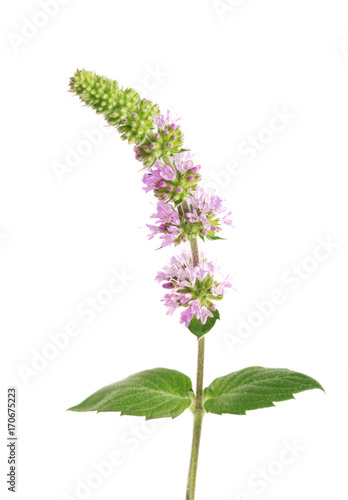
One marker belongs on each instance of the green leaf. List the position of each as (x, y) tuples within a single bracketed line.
[(153, 393), (254, 387), (214, 237), (198, 329)]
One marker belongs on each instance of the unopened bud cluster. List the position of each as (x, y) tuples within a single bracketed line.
[(122, 108)]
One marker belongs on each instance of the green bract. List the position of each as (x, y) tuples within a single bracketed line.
[(198, 329)]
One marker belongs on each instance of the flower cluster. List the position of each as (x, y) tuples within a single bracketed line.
[(202, 215), (184, 212), (192, 287), (175, 181), (206, 213), (165, 142), (167, 225)]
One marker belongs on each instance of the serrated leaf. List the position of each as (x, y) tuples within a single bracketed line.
[(198, 329), (153, 393), (255, 387)]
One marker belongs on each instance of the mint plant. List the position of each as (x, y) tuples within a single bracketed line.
[(192, 283)]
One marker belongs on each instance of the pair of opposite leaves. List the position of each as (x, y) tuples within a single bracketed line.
[(162, 392)]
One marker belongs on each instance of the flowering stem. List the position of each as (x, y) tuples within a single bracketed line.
[(194, 250), (198, 410)]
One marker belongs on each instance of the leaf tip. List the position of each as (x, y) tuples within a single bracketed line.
[(72, 408), (321, 388)]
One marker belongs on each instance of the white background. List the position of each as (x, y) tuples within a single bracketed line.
[(227, 69)]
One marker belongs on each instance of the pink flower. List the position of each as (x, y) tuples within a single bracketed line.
[(156, 174), (183, 162), (166, 214), (208, 210), (162, 121), (173, 182), (200, 311), (192, 287), (166, 224), (187, 316), (220, 289)]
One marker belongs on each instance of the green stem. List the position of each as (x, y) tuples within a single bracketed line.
[(198, 413), (194, 250), (200, 373), (198, 410)]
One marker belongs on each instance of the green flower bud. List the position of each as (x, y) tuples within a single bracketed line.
[(165, 142), (122, 108)]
